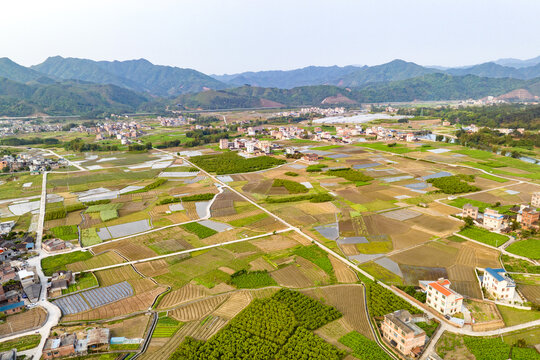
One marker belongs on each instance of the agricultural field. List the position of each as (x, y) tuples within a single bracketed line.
[(27, 320)]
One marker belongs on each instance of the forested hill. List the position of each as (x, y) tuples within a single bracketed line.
[(427, 87), (138, 75), (67, 98)]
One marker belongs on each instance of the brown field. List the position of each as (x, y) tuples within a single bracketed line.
[(291, 276), (432, 254), (186, 293), (261, 264), (212, 326), (72, 218), (177, 217), (238, 216), (134, 327), (23, 321), (116, 275), (162, 348), (234, 304), (344, 274), (227, 270), (101, 260), (128, 249), (295, 216), (481, 256), (412, 274), (349, 300), (153, 268), (140, 302), (409, 238), (441, 226), (380, 225), (258, 187), (197, 310), (222, 237), (275, 243), (220, 288), (263, 293), (464, 281), (531, 292), (312, 271)]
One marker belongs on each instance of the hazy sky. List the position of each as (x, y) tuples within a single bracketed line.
[(227, 36)]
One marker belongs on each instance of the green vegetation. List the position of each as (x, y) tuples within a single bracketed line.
[(149, 187), (84, 281), (58, 262), (248, 220), (66, 232), (529, 248), (349, 174), (22, 343), (166, 327), (460, 201), (363, 348), (103, 207), (314, 198), (487, 348), (382, 301), (90, 237), (519, 353), (199, 197), (316, 167), (232, 163), (75, 207), (244, 279), (275, 327), (483, 235), (512, 316), (107, 215), (327, 147), (200, 230), (429, 328), (124, 347), (411, 290), (290, 173), (55, 214), (317, 256), (292, 186), (493, 178), (512, 264), (452, 185), (394, 147)]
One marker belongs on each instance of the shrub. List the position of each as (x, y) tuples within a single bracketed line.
[(452, 185), (292, 186), (244, 279), (290, 173), (349, 174), (232, 163), (200, 230)]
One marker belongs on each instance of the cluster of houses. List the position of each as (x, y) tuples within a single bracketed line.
[(313, 110), (14, 127), (19, 282), (121, 130), (83, 342), (399, 328), (252, 147), (526, 215), (172, 121), (60, 280), (32, 161)]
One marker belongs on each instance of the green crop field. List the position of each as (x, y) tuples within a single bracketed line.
[(58, 262), (90, 237), (200, 230), (166, 327), (483, 235), (22, 343), (66, 232), (248, 220), (363, 348), (252, 279), (83, 281), (529, 248)]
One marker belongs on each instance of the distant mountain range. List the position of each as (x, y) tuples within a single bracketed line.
[(65, 86)]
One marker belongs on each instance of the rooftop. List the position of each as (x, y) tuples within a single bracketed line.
[(500, 275), (403, 320)]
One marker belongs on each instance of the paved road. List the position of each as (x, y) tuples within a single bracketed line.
[(69, 161), (53, 311)]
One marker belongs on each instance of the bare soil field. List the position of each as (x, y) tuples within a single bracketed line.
[(440, 225), (531, 292), (134, 327), (153, 268), (186, 293), (412, 274), (258, 187), (197, 310), (349, 300), (275, 243), (221, 288), (261, 264), (234, 304), (162, 348), (428, 255), (379, 225), (464, 281), (409, 238), (130, 305), (23, 321), (344, 274), (291, 276), (312, 271), (128, 249), (116, 275)]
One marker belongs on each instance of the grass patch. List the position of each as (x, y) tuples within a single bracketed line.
[(518, 265), (90, 237), (429, 328), (200, 230), (487, 348), (248, 220), (529, 248), (290, 173), (327, 147), (484, 236), (66, 232), (292, 186), (244, 279), (58, 262), (103, 207), (375, 247), (362, 347), (381, 273), (512, 316), (22, 343), (107, 215), (493, 178), (317, 256), (85, 280)]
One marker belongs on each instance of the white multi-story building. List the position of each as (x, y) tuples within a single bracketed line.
[(399, 329), (223, 144), (499, 284), (495, 221), (443, 299)]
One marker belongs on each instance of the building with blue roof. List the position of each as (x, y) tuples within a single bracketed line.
[(499, 285), (12, 308)]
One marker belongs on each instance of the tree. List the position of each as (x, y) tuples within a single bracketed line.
[(468, 222)]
